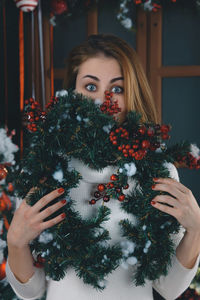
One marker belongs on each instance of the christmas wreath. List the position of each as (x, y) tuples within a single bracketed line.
[(81, 128)]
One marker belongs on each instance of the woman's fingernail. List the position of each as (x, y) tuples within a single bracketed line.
[(63, 215), (63, 201), (155, 179), (153, 186), (61, 190), (153, 202)]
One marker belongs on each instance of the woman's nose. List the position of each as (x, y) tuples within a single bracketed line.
[(102, 95)]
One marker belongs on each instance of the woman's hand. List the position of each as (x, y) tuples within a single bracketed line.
[(28, 221), (183, 205)]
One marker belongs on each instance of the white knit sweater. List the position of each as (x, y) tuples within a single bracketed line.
[(119, 285)]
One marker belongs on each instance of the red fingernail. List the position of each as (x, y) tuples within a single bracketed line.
[(153, 202), (63, 215), (60, 190), (155, 179), (153, 186), (63, 201)]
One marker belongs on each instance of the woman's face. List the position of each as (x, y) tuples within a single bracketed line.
[(99, 74)]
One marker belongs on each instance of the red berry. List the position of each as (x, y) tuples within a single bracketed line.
[(126, 187), (92, 202), (142, 130), (150, 132), (113, 177), (120, 148), (101, 187), (130, 152), (121, 197), (164, 128), (165, 136), (38, 265), (114, 143), (127, 146), (40, 259), (145, 144), (110, 185)]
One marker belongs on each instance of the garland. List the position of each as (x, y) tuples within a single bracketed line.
[(124, 9), (75, 126)]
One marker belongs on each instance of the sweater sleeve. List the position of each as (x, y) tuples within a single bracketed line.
[(33, 289), (178, 278)]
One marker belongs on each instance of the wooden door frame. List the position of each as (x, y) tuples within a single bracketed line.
[(149, 48)]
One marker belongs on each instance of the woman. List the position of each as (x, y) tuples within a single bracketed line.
[(105, 62)]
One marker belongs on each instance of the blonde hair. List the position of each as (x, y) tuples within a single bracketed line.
[(137, 92)]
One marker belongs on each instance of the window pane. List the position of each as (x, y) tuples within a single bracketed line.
[(108, 23), (66, 37), (180, 108), (181, 35)]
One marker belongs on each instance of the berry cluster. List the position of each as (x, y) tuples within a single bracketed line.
[(109, 106), (138, 142), (33, 114), (190, 161), (51, 102), (110, 190), (40, 262)]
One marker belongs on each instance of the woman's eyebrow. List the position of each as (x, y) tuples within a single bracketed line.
[(117, 78), (91, 76), (97, 79)]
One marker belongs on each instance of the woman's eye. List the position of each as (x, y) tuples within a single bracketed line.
[(91, 87), (117, 90)]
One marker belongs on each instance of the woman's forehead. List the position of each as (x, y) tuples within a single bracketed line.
[(100, 65)]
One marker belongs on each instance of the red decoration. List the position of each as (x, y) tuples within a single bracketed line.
[(92, 202), (145, 144), (33, 114), (40, 262), (113, 177), (26, 5), (109, 106), (121, 198), (189, 161), (139, 142), (150, 132), (3, 270), (110, 190), (101, 187), (59, 7), (5, 202)]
